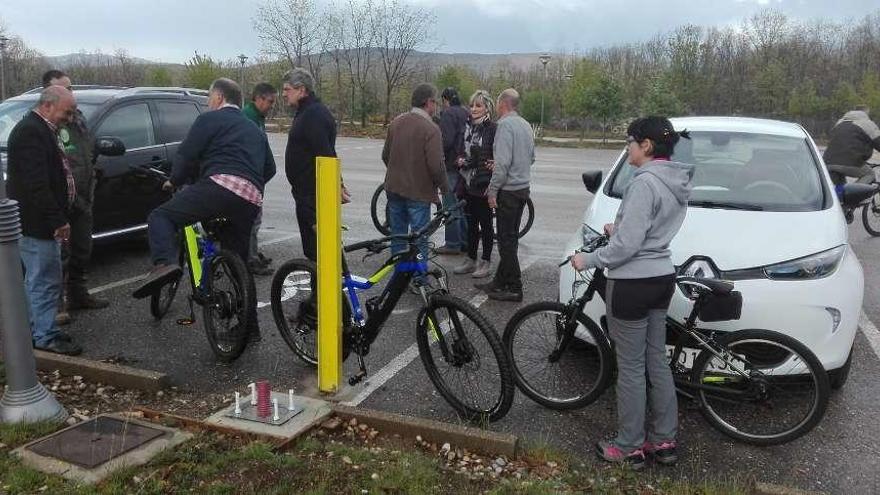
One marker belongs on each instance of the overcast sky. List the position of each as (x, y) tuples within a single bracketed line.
[(171, 30)]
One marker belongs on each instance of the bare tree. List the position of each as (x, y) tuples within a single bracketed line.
[(357, 36), (295, 31), (400, 29)]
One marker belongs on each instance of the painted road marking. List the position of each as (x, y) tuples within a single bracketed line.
[(407, 356), (871, 333)]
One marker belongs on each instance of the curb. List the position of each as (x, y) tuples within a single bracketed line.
[(475, 439), (111, 374), (770, 489)]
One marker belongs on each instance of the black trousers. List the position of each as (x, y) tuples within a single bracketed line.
[(307, 218), (77, 252), (508, 215), (201, 201), (479, 226)]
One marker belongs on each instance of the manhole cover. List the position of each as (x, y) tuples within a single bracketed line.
[(95, 442)]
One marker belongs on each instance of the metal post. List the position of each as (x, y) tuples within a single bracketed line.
[(25, 399), (544, 60), (329, 275), (3, 41), (242, 59)]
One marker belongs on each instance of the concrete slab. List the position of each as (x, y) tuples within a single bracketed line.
[(314, 411), (169, 438)]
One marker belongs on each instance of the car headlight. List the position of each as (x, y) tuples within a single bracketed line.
[(815, 266), (588, 234)]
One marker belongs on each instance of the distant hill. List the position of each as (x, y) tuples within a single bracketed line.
[(65, 61)]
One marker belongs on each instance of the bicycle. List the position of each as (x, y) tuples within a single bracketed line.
[(379, 203), (463, 343), (871, 207), (757, 386), (220, 283)]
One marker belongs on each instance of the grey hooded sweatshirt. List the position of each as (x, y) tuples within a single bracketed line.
[(653, 209)]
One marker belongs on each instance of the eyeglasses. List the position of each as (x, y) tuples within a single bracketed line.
[(630, 140)]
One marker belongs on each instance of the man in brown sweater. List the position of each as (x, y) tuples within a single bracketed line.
[(413, 154)]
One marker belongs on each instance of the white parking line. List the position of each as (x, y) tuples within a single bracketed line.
[(131, 280), (403, 359), (871, 333)]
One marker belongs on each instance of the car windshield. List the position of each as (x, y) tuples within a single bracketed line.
[(13, 111), (744, 171)]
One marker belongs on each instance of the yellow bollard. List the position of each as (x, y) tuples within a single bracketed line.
[(329, 275)]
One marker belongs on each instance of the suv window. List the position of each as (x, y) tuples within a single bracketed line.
[(132, 124), (175, 119)]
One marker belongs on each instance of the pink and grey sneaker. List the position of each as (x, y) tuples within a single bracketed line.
[(608, 451), (663, 452)]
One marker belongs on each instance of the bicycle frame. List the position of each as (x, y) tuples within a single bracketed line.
[(197, 250)]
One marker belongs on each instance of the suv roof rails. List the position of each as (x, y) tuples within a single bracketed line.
[(76, 87), (160, 89)]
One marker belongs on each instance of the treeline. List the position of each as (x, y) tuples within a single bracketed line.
[(367, 54)]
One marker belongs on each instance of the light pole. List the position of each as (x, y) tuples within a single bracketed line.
[(3, 41), (545, 59), (241, 59)]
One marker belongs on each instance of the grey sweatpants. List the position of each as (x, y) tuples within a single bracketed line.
[(641, 350)]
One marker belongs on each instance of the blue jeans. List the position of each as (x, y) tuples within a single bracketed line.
[(42, 280), (456, 229), (405, 215)]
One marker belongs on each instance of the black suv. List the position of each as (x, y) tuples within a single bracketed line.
[(150, 122)]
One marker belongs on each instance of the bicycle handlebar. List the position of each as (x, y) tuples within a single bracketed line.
[(589, 247), (378, 245)]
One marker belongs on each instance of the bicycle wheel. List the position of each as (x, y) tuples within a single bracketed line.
[(230, 292), (160, 302), (465, 359), (379, 210), (528, 218), (293, 296), (871, 216), (784, 396), (575, 378)]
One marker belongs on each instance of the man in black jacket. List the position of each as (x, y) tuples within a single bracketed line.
[(453, 121), (40, 179), (312, 134), (228, 161), (852, 142)]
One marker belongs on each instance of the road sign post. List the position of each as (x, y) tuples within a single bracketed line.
[(329, 275)]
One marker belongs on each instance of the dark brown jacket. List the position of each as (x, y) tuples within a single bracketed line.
[(413, 153)]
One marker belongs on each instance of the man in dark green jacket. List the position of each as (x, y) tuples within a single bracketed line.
[(77, 143), (262, 101)]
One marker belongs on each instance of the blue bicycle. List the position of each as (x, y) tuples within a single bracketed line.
[(459, 348)]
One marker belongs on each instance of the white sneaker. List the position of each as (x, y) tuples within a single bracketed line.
[(467, 266), (482, 270)]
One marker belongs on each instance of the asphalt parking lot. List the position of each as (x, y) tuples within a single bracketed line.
[(841, 455)]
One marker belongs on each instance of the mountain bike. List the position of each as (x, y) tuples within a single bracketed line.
[(460, 349), (379, 213), (220, 283), (871, 207), (757, 386)]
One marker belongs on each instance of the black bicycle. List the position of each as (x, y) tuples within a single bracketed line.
[(757, 386), (871, 207), (220, 283), (379, 213), (460, 349)]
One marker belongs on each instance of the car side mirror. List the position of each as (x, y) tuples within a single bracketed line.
[(854, 194), (592, 180), (109, 146)]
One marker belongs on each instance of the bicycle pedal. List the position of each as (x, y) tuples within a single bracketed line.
[(185, 322), (359, 377)]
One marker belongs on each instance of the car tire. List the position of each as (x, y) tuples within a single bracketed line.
[(837, 378)]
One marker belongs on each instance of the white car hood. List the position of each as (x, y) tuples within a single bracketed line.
[(736, 239)]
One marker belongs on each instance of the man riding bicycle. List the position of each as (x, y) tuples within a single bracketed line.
[(227, 161), (853, 140)]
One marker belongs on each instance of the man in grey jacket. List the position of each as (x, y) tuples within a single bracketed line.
[(514, 152), (852, 142)]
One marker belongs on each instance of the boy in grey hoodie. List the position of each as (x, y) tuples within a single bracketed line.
[(641, 281)]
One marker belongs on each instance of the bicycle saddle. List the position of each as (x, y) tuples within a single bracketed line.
[(715, 286)]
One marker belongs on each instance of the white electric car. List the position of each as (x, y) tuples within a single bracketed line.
[(763, 213)]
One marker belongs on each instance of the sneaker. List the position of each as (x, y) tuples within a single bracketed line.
[(486, 286), (83, 300), (468, 266), (158, 277), (264, 260), (61, 346), (663, 452), (447, 250), (483, 269), (608, 451), (506, 295)]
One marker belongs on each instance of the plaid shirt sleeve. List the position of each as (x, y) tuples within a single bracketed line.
[(239, 186)]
